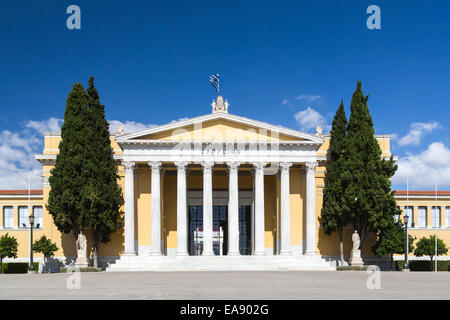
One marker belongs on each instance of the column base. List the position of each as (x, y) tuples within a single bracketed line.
[(155, 254), (181, 254), (208, 254), (285, 253), (129, 254), (259, 253), (311, 253), (233, 254)]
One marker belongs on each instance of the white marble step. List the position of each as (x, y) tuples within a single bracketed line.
[(219, 263)]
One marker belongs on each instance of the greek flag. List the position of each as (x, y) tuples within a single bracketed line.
[(214, 79)]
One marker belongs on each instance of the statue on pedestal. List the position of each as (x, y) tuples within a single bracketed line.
[(356, 240), (355, 257), (81, 251)]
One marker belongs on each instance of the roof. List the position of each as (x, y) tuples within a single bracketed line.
[(20, 192), (421, 193), (226, 116)]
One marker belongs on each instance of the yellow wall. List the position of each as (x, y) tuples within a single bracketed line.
[(443, 202), (21, 234)]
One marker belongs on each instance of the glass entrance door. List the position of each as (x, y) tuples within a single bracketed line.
[(195, 223), (244, 230), (220, 214)]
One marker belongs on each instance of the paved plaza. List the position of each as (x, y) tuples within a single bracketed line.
[(226, 285)]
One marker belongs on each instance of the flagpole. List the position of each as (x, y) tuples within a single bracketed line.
[(436, 225), (407, 210)]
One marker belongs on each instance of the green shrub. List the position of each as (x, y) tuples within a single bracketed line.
[(351, 268), (87, 269), (424, 265), (18, 267)]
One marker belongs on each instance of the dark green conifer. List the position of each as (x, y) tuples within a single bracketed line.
[(367, 195), (102, 196), (66, 180), (334, 216)]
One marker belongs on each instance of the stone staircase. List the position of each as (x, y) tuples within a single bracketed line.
[(220, 263)]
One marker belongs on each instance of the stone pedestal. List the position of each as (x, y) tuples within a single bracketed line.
[(81, 262), (355, 258)]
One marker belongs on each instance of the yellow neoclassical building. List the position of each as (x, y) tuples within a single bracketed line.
[(214, 192)]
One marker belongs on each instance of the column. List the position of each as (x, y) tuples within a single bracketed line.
[(259, 209), (207, 209), (285, 247), (429, 216), (310, 208), (181, 209), (129, 208), (15, 224), (415, 213), (233, 209), (155, 246), (442, 224)]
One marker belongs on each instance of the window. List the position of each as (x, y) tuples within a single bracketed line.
[(409, 212), (37, 212), (447, 216), (8, 217), (23, 217), (422, 217), (436, 217)]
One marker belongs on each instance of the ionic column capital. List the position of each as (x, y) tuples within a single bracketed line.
[(233, 165), (207, 166), (310, 167), (259, 166), (129, 166), (285, 166), (181, 166), (155, 165)]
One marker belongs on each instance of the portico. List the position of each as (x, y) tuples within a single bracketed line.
[(222, 184), (256, 171)]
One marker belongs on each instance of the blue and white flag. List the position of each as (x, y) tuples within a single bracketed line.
[(214, 79)]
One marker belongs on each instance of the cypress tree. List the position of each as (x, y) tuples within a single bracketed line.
[(102, 196), (334, 216), (66, 180), (367, 194)]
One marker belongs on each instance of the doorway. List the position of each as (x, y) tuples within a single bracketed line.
[(220, 222)]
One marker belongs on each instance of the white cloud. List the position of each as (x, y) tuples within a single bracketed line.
[(17, 162), (308, 97), (416, 132), (422, 169), (309, 119), (285, 102), (17, 150), (49, 125), (129, 126)]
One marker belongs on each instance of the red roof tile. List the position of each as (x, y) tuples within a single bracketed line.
[(20, 192), (422, 193)]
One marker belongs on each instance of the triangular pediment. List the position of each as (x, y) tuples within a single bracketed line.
[(220, 127)]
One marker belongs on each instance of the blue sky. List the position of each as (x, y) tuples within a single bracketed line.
[(284, 62)]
